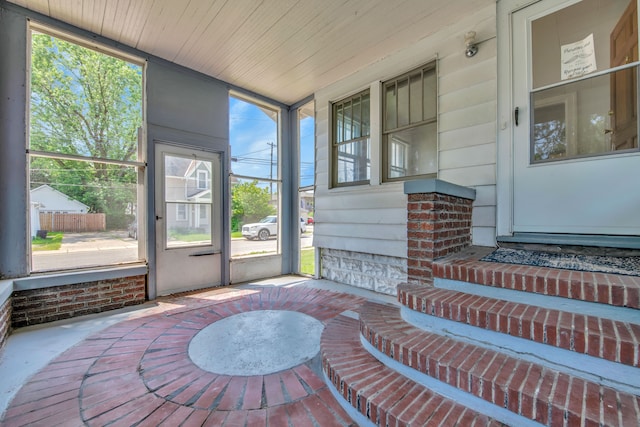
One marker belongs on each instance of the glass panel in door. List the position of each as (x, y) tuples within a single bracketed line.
[(188, 219), (188, 201)]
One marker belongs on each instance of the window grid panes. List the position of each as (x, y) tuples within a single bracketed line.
[(86, 166), (351, 140), (410, 124)]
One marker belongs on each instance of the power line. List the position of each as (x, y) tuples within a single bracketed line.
[(121, 187)]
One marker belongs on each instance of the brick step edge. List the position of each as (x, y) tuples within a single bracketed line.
[(598, 337), (533, 391), (612, 289), (381, 394)]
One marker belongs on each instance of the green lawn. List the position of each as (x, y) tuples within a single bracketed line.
[(307, 261), (195, 237), (51, 243)]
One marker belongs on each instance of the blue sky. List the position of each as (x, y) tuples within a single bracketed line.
[(251, 133)]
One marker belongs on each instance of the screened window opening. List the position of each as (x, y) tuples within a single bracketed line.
[(86, 166), (255, 180), (585, 81), (410, 125), (306, 188), (351, 153)]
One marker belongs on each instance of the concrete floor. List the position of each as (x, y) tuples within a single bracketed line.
[(31, 356)]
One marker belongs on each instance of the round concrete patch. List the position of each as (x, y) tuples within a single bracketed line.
[(256, 342)]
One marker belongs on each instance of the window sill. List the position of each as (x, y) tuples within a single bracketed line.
[(6, 289), (41, 281)]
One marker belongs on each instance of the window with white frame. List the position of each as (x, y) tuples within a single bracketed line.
[(203, 179), (351, 146), (410, 131), (84, 151), (181, 212)]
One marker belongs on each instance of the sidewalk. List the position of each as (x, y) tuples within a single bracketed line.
[(87, 249), (78, 242)]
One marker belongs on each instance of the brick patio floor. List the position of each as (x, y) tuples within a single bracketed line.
[(138, 372)]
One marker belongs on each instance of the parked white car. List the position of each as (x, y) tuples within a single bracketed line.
[(266, 228)]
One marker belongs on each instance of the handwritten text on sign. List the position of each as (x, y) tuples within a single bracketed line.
[(578, 58)]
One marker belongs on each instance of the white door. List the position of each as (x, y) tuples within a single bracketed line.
[(188, 219), (576, 160)]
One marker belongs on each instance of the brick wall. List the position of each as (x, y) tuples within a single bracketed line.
[(437, 225), (34, 306), (368, 271), (5, 321)]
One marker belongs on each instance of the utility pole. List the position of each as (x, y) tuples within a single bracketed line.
[(271, 144)]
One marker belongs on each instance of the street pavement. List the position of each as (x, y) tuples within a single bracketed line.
[(107, 248)]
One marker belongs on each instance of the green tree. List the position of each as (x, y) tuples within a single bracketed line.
[(85, 103), (249, 203)]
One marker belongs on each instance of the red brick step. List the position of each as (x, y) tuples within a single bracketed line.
[(613, 289), (381, 394), (608, 339), (523, 387)]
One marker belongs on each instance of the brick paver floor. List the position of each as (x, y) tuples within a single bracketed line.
[(138, 372)]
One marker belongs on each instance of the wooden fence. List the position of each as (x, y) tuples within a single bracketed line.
[(72, 223)]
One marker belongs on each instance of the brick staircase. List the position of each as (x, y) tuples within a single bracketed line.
[(491, 344)]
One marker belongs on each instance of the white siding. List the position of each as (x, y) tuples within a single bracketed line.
[(369, 220), (372, 218)]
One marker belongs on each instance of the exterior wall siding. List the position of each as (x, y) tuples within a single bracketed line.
[(378, 273), (372, 219), (35, 306)]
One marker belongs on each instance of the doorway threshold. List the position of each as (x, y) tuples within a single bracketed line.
[(603, 241)]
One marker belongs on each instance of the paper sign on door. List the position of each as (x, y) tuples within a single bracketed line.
[(578, 58)]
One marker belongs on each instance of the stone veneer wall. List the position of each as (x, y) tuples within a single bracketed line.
[(438, 224), (369, 271), (5, 321), (34, 306)]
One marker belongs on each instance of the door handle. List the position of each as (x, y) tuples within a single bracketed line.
[(158, 217), (516, 113), (205, 253)]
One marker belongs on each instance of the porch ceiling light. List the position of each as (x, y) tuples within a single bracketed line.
[(471, 46)]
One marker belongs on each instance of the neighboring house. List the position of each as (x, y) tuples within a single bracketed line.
[(53, 210), (51, 200), (188, 187), (34, 219), (306, 204)]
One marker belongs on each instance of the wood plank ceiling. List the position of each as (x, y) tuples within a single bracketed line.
[(283, 49)]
